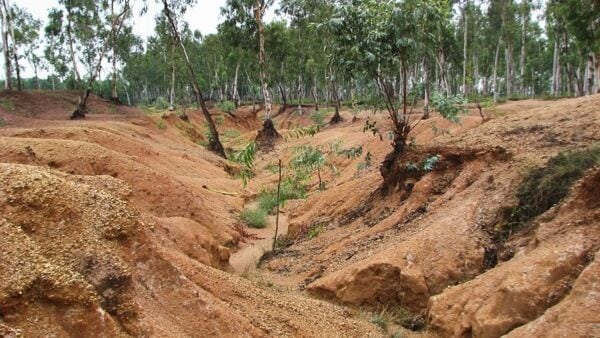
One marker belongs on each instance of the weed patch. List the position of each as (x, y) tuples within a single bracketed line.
[(544, 187), (254, 218), (7, 105)]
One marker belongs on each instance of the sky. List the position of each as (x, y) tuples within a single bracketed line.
[(205, 16)]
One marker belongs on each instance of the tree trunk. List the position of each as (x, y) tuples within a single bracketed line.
[(11, 24), (268, 135), (116, 26), (214, 144), (509, 69), (236, 94), (114, 95), (315, 93), (465, 36), (426, 90), (71, 48), (596, 86), (337, 118), (36, 77), (524, 20), (172, 94), (283, 94), (5, 50), (495, 76), (556, 70)]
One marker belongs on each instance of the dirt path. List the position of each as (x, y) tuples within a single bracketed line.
[(244, 260)]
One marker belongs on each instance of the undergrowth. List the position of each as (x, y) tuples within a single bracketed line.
[(544, 187), (254, 218)]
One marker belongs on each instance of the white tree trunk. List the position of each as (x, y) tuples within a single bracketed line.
[(465, 36), (5, 50), (495, 76)]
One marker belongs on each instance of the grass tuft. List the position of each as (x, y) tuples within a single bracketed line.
[(546, 186), (254, 218)]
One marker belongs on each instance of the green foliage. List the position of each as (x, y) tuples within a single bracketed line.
[(254, 218), (308, 158), (160, 124), (161, 103), (430, 162), (366, 164), (226, 106), (315, 230), (301, 132), (380, 320), (272, 168), (231, 134), (3, 122), (351, 153), (318, 117), (546, 186), (245, 157), (7, 105), (267, 200), (450, 107)]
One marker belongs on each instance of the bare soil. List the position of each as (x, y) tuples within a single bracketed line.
[(122, 224)]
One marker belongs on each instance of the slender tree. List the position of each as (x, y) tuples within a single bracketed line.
[(214, 144)]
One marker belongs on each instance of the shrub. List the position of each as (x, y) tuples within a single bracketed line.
[(226, 106), (315, 231), (254, 218), (379, 320), (318, 117), (450, 107), (546, 186), (231, 133), (351, 153), (7, 104), (160, 124), (161, 103), (3, 123), (267, 200)]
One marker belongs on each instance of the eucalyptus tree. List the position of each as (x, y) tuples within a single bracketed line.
[(249, 16), (54, 52), (381, 39), (8, 32), (90, 27), (27, 39), (173, 9)]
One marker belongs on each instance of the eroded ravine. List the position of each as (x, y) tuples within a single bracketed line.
[(256, 244)]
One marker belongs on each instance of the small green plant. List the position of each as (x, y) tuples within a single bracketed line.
[(7, 104), (315, 231), (219, 120), (380, 320), (283, 241), (430, 162), (267, 200), (245, 157), (366, 164), (351, 153), (254, 218), (450, 107), (318, 117), (301, 132), (546, 186), (3, 123), (160, 124), (231, 133), (226, 106), (272, 168), (307, 160), (161, 103)]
